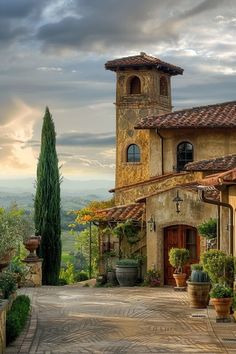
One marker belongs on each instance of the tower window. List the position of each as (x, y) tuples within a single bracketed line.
[(133, 153), (163, 86), (184, 155), (135, 86)]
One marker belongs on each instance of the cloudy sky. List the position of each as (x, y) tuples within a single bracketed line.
[(53, 53)]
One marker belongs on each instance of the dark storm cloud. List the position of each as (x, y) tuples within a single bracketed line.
[(86, 139), (98, 25), (19, 8)]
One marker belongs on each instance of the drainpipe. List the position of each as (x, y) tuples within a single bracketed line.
[(221, 204), (162, 152)]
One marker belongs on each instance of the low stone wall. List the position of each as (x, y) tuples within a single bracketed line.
[(3, 312)]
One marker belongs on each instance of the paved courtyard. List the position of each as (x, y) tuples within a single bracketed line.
[(74, 319)]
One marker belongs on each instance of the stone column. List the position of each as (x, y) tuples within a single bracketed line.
[(34, 275)]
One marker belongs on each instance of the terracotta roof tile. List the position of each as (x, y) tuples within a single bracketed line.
[(134, 212), (223, 163), (222, 115), (218, 179), (143, 60)]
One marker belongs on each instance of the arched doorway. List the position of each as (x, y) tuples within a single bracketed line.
[(180, 236)]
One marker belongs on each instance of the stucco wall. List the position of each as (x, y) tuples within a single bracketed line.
[(207, 144), (130, 109), (162, 208)]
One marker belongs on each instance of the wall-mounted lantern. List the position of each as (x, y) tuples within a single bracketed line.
[(151, 224), (177, 200)]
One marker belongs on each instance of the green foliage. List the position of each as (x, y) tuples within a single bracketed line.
[(80, 276), (152, 278), (178, 257), (47, 203), (17, 317), (68, 274), (208, 228), (219, 266), (196, 266), (127, 262), (221, 291), (7, 283), (82, 244), (128, 230), (15, 226)]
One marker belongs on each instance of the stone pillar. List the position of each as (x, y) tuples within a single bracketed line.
[(34, 275), (3, 311)]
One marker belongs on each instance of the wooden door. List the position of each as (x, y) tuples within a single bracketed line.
[(180, 236)]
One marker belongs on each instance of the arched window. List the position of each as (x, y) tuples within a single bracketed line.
[(184, 155), (163, 86), (135, 86), (133, 153)]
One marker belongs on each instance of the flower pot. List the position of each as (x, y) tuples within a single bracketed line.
[(31, 245), (111, 277), (127, 275), (222, 306), (180, 279), (6, 259), (198, 294)]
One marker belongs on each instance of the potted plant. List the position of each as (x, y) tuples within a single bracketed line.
[(152, 278), (219, 266), (178, 257), (208, 229), (221, 297), (198, 287), (127, 271)]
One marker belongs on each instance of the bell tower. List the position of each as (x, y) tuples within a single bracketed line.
[(143, 89)]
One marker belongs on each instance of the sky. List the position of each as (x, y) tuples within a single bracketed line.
[(53, 54)]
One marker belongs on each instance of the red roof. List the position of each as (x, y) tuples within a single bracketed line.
[(135, 212), (222, 115), (223, 163), (228, 177), (143, 60)]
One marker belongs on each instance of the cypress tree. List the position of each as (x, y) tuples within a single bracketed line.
[(47, 203)]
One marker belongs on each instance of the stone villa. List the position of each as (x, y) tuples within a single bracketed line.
[(174, 170)]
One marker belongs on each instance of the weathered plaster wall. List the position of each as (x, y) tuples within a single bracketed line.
[(130, 109), (207, 144), (161, 207), (131, 194)]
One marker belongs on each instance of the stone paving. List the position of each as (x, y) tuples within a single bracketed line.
[(140, 320)]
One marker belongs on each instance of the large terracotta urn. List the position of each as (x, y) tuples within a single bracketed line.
[(31, 244)]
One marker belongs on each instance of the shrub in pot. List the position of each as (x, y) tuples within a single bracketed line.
[(178, 257), (219, 266), (127, 271), (221, 298), (198, 287)]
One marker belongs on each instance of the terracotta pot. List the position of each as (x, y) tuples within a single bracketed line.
[(180, 279), (222, 306), (198, 294), (31, 245)]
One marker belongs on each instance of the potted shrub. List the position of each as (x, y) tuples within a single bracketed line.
[(221, 298), (208, 229), (219, 266), (127, 271), (198, 287), (178, 257)]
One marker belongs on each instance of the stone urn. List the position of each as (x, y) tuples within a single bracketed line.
[(31, 244)]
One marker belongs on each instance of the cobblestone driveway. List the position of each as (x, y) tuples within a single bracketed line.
[(119, 320)]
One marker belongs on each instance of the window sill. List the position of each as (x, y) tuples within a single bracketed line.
[(132, 163)]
